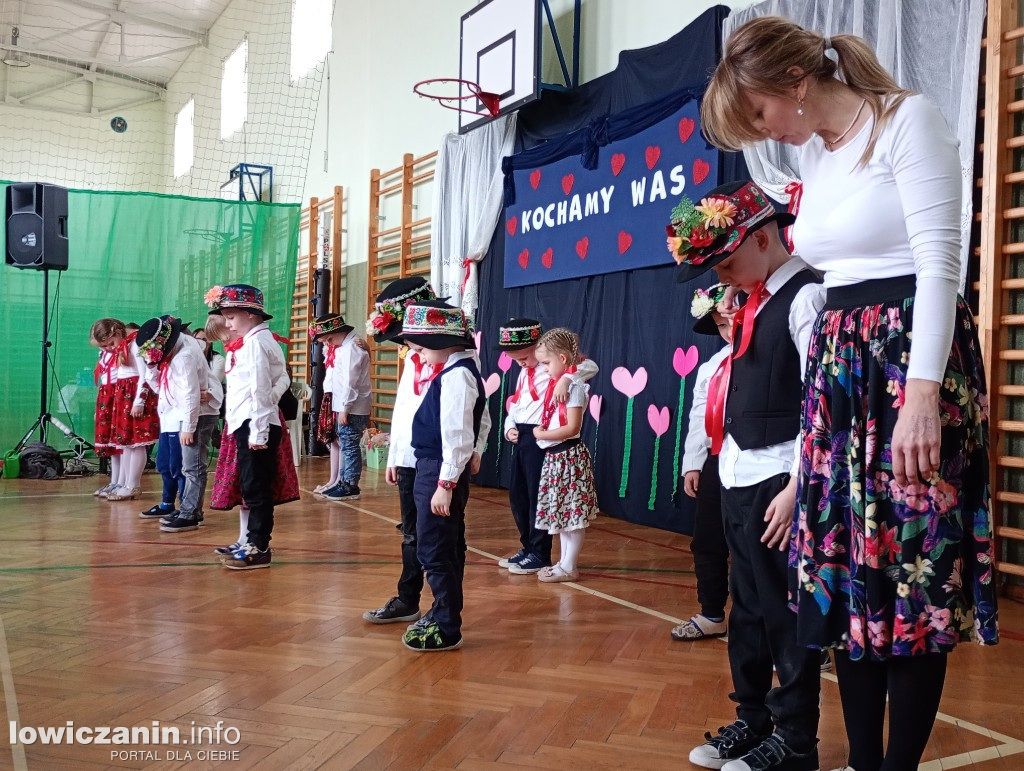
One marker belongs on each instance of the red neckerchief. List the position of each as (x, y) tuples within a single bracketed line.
[(419, 380), (530, 373), (229, 349), (329, 355), (548, 410), (718, 386), (118, 356)]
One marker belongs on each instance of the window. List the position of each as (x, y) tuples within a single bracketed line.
[(234, 91), (311, 34), (184, 139)]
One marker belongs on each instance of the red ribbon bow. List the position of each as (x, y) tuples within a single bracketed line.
[(548, 410), (419, 380), (530, 373), (329, 355)]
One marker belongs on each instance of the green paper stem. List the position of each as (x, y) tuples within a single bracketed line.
[(679, 437), (501, 426), (597, 432), (487, 407), (654, 474), (627, 448)]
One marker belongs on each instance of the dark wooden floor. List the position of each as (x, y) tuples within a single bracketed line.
[(108, 622)]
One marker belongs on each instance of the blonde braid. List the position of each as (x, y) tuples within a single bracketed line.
[(564, 341)]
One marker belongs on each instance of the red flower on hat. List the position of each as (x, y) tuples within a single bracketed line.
[(382, 321), (700, 238), (434, 316)]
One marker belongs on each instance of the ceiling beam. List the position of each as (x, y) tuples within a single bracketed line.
[(22, 98), (121, 17), (63, 32), (80, 67), (82, 113)]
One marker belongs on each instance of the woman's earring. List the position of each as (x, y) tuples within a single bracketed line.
[(800, 108)]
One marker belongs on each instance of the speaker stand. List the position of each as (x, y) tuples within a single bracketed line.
[(45, 419)]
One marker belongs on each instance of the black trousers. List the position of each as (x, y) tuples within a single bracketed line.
[(410, 583), (709, 547), (523, 489), (441, 544), (256, 474), (762, 628)]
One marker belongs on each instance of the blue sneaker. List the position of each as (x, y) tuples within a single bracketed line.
[(247, 557), (515, 559), (342, 491), (530, 564)]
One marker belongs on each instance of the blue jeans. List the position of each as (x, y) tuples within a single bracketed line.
[(168, 463), (351, 458), (195, 461)]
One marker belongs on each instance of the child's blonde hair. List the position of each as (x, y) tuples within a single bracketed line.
[(104, 329), (216, 328), (563, 341)]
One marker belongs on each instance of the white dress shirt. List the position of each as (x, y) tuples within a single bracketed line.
[(215, 387), (697, 443), (407, 401), (350, 378), (217, 364), (108, 369), (897, 216), (579, 395), (186, 375), (527, 410), (256, 380), (743, 468), (459, 392)]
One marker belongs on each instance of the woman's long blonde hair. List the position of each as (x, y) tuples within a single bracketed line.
[(760, 57)]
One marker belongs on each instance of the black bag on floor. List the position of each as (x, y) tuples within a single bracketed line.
[(40, 461)]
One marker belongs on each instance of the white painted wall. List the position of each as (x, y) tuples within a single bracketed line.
[(382, 49)]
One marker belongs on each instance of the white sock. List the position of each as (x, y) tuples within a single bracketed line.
[(571, 542), (335, 463), (243, 525), (133, 465), (115, 469)]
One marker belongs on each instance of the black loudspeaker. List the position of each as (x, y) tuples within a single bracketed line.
[(37, 226)]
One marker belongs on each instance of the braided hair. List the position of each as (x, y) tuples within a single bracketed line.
[(564, 341)]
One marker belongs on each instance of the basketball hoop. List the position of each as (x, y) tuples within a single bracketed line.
[(491, 102)]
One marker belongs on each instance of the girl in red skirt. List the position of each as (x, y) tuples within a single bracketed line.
[(227, 489), (133, 423), (105, 376)]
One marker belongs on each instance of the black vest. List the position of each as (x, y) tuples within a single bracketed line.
[(426, 424), (766, 387)]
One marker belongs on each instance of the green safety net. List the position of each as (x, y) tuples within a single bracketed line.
[(132, 256)]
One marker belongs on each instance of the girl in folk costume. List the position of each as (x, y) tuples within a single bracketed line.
[(257, 378), (105, 375), (134, 425), (227, 490), (567, 500), (326, 426)]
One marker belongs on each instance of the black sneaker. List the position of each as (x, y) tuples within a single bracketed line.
[(247, 557), (200, 517), (731, 742), (430, 639), (422, 623), (530, 564), (341, 492), (157, 512), (826, 661), (180, 524), (773, 752), (393, 612), (515, 559)]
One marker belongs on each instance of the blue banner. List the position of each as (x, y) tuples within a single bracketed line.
[(569, 221)]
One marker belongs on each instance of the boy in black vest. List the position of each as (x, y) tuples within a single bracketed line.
[(755, 432), (444, 432)]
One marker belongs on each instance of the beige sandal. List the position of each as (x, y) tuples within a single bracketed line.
[(124, 494), (556, 574)]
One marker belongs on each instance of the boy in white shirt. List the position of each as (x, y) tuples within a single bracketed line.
[(350, 400), (256, 378)]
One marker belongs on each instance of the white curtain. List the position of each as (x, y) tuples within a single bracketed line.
[(930, 46), (467, 203)]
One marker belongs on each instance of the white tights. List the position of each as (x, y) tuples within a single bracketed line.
[(570, 541)]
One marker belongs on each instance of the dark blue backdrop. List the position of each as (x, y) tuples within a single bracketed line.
[(635, 318)]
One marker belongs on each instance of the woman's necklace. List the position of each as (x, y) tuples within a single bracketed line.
[(831, 145)]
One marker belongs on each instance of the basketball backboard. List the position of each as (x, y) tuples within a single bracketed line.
[(500, 51)]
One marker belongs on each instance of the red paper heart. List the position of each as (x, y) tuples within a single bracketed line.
[(625, 241), (581, 247), (535, 179), (512, 225), (652, 154), (701, 169), (567, 182), (686, 126), (524, 258), (547, 258), (618, 161)]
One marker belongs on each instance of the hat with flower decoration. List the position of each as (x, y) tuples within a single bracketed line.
[(517, 334), (385, 323), (241, 296), (328, 324), (435, 325), (702, 308), (157, 338), (703, 235)]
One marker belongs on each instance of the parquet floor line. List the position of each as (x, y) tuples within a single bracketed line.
[(10, 697)]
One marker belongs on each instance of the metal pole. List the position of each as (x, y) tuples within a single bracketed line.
[(46, 344)]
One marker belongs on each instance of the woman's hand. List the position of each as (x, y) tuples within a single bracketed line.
[(917, 436)]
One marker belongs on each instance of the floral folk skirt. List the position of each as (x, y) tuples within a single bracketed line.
[(567, 499), (880, 569), (326, 424), (227, 485), (104, 420), (127, 431)]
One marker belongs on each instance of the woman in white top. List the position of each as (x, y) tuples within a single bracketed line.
[(891, 553)]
